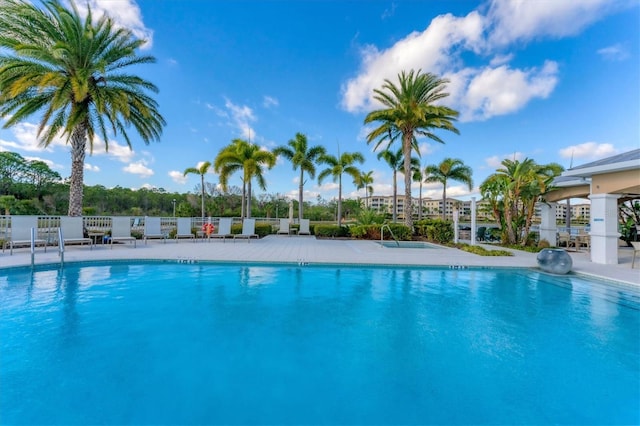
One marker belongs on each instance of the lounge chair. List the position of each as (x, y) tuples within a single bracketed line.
[(152, 229), (284, 227), (121, 230), (21, 233), (565, 237), (224, 229), (184, 229), (248, 230), (73, 231), (304, 227), (636, 250)]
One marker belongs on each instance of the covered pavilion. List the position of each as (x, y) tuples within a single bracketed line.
[(607, 183)]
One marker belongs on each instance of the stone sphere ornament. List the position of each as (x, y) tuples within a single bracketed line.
[(555, 261)]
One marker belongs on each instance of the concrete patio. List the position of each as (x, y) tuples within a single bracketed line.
[(308, 249)]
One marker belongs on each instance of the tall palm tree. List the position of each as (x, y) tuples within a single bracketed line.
[(69, 70), (201, 170), (408, 111), (449, 169), (303, 157), (248, 158), (337, 166), (395, 160), (365, 181)]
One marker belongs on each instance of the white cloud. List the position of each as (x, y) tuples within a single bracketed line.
[(125, 13), (48, 162), (269, 102), (496, 161), (588, 150), (117, 151), (502, 90), (515, 20), (91, 167), (138, 168), (241, 116), (178, 177), (27, 139), (428, 50), (148, 186), (617, 52), (501, 59), (479, 92)]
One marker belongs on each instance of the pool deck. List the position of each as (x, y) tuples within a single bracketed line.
[(308, 249)]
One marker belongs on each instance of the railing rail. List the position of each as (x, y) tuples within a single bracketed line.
[(390, 231), (61, 246)]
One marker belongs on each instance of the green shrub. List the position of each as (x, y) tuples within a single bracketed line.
[(331, 231), (436, 230), (373, 232), (262, 229), (370, 217)]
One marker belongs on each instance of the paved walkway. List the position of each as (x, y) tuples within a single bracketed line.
[(310, 250)]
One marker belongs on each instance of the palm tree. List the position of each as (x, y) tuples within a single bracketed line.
[(304, 157), (395, 160), (448, 169), (409, 110), (337, 167), (201, 170), (513, 191), (69, 70), (250, 159), (365, 181)]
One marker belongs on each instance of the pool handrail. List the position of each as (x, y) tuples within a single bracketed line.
[(386, 225)]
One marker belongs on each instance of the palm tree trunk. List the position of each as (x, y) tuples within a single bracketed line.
[(202, 183), (244, 199), (420, 200), (406, 151), (340, 200), (444, 202), (395, 196), (76, 185), (300, 194), (249, 199)]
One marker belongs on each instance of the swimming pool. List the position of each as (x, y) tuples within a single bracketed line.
[(209, 343)]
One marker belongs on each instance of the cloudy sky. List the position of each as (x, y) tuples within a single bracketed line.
[(556, 81)]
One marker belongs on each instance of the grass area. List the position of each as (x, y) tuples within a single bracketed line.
[(481, 251)]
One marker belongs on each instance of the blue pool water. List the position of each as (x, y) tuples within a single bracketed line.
[(166, 343)]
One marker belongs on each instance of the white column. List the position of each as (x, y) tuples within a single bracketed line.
[(455, 226), (548, 229), (604, 228), (473, 221)]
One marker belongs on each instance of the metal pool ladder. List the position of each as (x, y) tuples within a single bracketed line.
[(390, 231), (61, 246)]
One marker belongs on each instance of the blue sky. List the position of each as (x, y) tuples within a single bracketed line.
[(545, 79)]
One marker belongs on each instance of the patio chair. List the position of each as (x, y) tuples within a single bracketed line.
[(284, 227), (565, 237), (304, 227), (184, 229), (21, 233), (73, 231), (248, 230), (121, 230), (224, 229), (152, 229), (636, 250)]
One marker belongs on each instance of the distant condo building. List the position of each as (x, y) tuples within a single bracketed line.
[(432, 208)]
